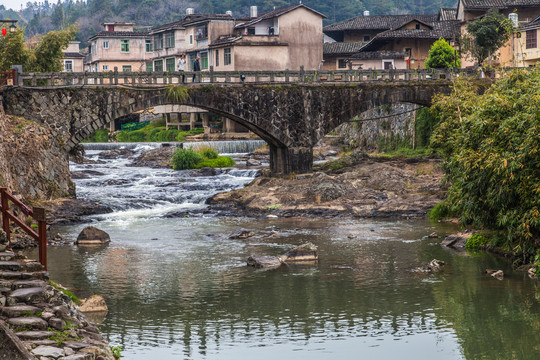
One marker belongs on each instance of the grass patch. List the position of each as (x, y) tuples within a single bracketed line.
[(99, 136), (476, 241), (219, 162), (441, 211)]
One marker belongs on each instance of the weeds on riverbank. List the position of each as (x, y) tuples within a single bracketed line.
[(184, 159)]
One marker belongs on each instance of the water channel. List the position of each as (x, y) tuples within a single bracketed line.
[(178, 288)]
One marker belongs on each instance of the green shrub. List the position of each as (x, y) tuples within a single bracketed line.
[(219, 162), (440, 211), (99, 136), (186, 159), (424, 124), (475, 242), (490, 146), (208, 152)]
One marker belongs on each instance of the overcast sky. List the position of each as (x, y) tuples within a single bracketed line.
[(13, 4)]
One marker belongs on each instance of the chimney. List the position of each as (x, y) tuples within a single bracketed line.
[(190, 11), (366, 12), (513, 17), (228, 12), (253, 12)]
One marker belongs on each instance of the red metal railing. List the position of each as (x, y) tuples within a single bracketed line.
[(5, 76), (36, 213)]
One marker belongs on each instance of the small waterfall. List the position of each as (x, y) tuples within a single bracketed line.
[(222, 147)]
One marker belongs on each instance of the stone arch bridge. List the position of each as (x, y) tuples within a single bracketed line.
[(291, 118)]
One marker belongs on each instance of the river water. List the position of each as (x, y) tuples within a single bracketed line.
[(178, 288)]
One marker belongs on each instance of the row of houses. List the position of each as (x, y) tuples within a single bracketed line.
[(293, 36)]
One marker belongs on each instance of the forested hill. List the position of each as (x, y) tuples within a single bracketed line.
[(41, 17)]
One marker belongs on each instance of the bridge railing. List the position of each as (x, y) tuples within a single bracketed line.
[(211, 76)]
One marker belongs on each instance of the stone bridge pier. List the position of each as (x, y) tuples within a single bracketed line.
[(291, 118)]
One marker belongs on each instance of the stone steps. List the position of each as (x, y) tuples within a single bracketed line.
[(27, 295), (27, 323), (32, 314)]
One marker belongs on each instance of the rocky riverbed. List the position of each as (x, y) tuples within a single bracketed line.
[(357, 185)]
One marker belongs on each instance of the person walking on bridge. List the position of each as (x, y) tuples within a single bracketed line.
[(181, 64), (196, 67)]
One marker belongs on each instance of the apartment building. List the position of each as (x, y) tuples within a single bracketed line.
[(118, 46)]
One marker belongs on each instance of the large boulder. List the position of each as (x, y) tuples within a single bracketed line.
[(92, 236), (264, 262), (458, 240), (94, 303)]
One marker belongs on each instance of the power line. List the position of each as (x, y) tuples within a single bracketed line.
[(387, 116)]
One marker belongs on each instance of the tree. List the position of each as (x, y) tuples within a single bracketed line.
[(489, 33), (442, 56), (47, 55), (13, 50), (491, 149)]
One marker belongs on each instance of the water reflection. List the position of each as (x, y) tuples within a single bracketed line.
[(189, 294)]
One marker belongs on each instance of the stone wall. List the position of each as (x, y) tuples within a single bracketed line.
[(32, 162), (391, 125)]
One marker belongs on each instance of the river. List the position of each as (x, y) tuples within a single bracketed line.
[(178, 288)]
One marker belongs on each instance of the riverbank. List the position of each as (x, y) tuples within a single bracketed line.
[(357, 185)]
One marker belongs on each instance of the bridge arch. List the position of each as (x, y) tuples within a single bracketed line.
[(291, 118)]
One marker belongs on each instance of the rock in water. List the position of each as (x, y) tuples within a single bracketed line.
[(94, 303), (241, 234), (497, 274), (92, 236), (433, 265), (265, 262), (304, 252), (457, 241)]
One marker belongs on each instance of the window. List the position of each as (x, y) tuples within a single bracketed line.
[(149, 67), (169, 64), (68, 65), (191, 39), (388, 64), (105, 44), (148, 44), (126, 68), (251, 31), (169, 39), (417, 26), (227, 56), (158, 65), (105, 67), (124, 45), (204, 60), (110, 27), (158, 42), (531, 39), (342, 63), (217, 58), (367, 38), (94, 47), (202, 33)]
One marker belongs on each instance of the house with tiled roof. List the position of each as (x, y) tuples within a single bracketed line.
[(388, 41), (528, 43), (521, 12), (118, 46), (73, 59), (285, 38), (191, 36)]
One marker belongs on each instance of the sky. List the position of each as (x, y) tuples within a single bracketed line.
[(14, 4)]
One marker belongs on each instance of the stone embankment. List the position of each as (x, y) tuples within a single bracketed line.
[(32, 161), (37, 320)]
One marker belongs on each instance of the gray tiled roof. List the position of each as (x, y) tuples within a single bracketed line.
[(341, 48), (499, 4), (276, 13), (447, 14), (383, 54), (535, 24), (441, 29), (377, 22), (119, 34), (73, 55)]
